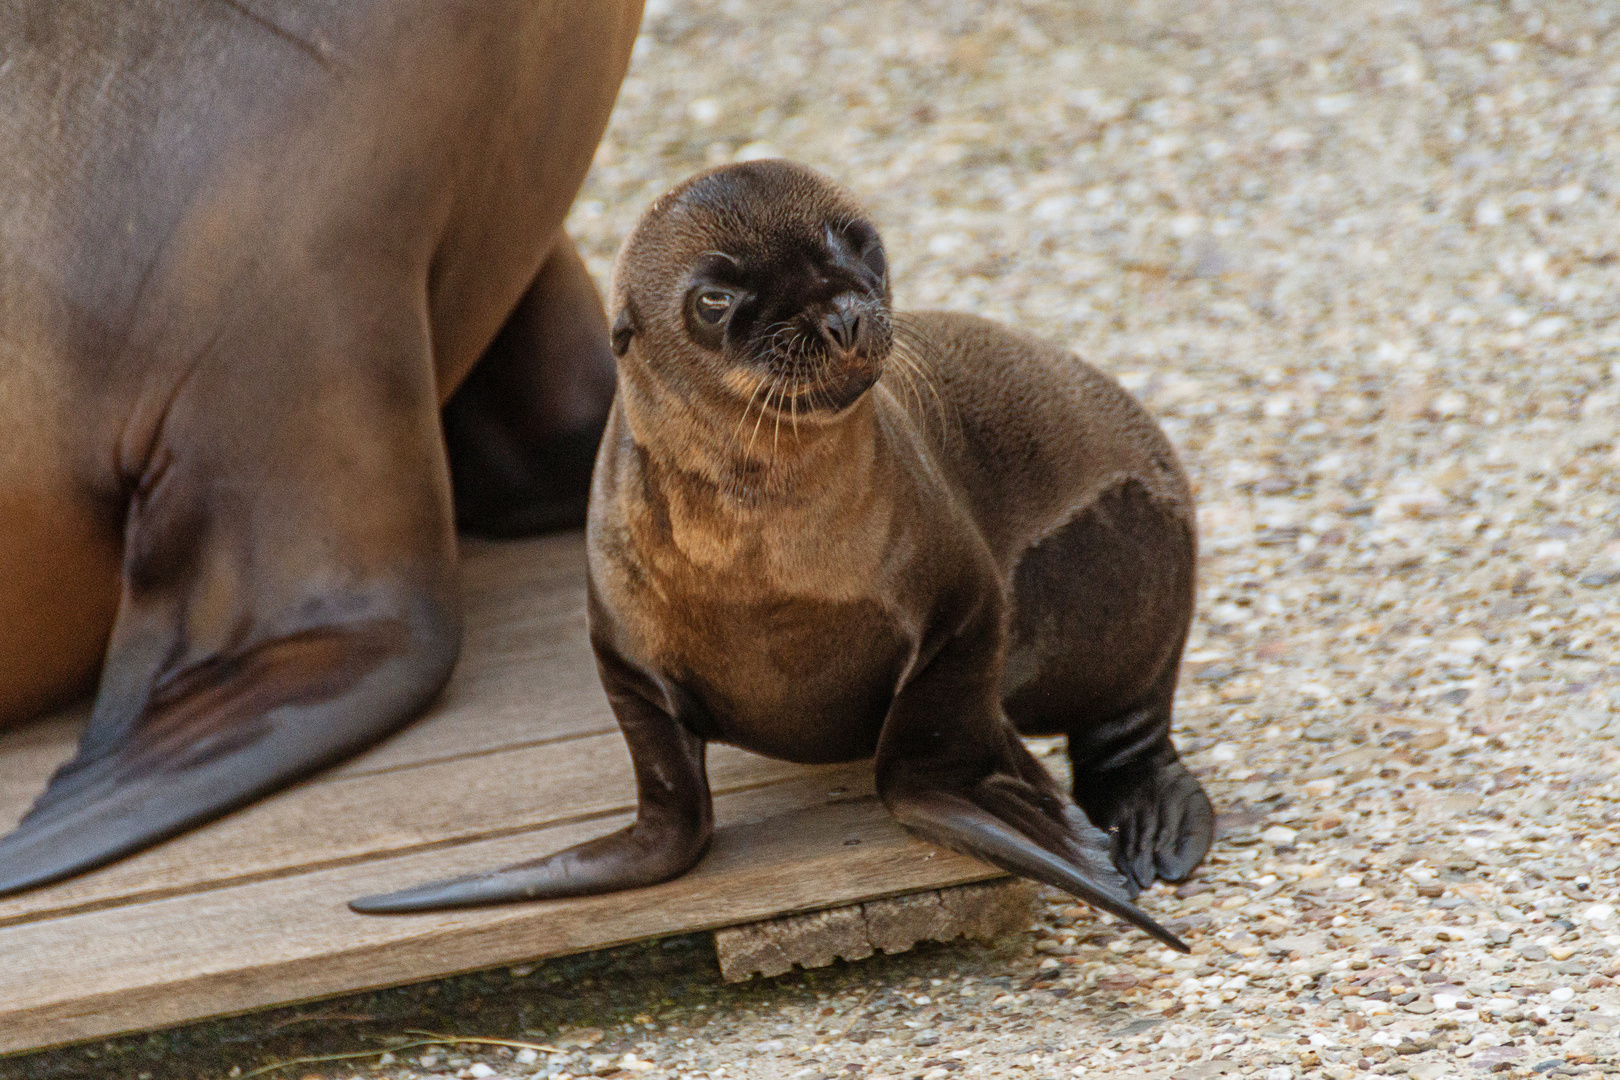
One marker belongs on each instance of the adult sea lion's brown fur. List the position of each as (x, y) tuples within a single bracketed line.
[(248, 250), (822, 532)]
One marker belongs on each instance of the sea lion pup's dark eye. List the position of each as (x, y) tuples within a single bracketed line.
[(874, 260), (712, 305), (864, 243), (708, 307)]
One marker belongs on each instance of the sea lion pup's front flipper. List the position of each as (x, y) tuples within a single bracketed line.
[(674, 815), (951, 768), (289, 579)]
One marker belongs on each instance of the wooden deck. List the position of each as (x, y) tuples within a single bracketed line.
[(520, 757)]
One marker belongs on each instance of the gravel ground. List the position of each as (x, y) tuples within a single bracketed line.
[(1361, 257)]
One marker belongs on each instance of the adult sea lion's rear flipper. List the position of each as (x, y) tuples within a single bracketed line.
[(288, 588), (674, 813)]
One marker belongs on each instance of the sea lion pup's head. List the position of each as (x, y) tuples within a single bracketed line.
[(757, 286)]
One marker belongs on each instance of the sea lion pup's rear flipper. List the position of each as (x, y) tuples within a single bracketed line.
[(289, 581), (523, 427), (950, 766), (674, 816)]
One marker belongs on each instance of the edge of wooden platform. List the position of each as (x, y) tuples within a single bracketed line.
[(841, 853)]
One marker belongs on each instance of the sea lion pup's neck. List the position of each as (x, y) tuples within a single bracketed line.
[(748, 455)]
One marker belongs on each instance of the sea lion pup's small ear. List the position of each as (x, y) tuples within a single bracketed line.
[(624, 328)]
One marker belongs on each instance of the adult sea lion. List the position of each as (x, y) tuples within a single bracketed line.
[(794, 552), (248, 250)]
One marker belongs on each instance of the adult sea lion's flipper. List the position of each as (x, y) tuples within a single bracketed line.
[(289, 578), (523, 427), (674, 816)]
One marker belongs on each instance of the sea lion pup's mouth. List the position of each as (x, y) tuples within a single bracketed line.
[(820, 361)]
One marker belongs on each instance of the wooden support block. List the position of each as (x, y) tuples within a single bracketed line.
[(982, 910)]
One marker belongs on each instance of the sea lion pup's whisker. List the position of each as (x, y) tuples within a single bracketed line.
[(793, 413), (777, 335), (769, 383), (910, 398), (905, 329), (823, 371), (914, 376), (915, 373), (903, 325), (759, 384), (924, 359), (736, 432), (776, 423), (781, 389)]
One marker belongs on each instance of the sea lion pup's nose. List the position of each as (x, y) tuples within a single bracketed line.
[(842, 325)]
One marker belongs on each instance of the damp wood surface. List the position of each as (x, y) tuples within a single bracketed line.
[(520, 756)]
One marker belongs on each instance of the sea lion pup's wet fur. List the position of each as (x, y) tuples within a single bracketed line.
[(822, 532)]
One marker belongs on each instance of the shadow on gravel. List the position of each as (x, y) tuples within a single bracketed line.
[(624, 995)]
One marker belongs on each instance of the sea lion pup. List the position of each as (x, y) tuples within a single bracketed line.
[(794, 551)]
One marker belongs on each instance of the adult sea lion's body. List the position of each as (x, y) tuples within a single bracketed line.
[(794, 551), (248, 250)]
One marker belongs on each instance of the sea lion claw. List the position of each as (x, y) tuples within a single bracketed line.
[(1162, 818)]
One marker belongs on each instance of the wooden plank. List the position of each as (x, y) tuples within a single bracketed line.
[(527, 674), (520, 757), (291, 939), (855, 931), (379, 815)]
